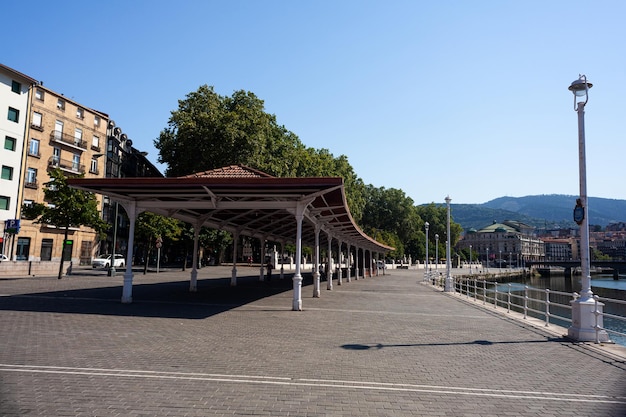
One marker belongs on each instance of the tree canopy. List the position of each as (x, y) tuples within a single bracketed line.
[(210, 131)]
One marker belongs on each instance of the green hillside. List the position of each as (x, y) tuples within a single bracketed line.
[(541, 211)]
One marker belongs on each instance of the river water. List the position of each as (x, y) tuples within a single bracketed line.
[(602, 285)]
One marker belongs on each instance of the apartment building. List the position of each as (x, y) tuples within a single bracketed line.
[(64, 134), (44, 130), (122, 160), (14, 103)]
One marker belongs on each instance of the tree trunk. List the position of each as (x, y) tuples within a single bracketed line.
[(63, 253), (146, 260)]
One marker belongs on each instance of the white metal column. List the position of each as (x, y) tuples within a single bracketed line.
[(339, 262), (193, 282), (316, 264), (329, 271), (348, 263), (233, 277), (297, 278), (262, 269), (364, 267), (356, 262)]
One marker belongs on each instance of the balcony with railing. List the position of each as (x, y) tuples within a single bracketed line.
[(66, 165), (60, 137), (30, 183)]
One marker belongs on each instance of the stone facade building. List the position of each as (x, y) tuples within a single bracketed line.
[(44, 130), (509, 242), (67, 135)]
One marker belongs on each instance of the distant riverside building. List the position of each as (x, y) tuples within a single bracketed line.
[(616, 227), (558, 249), (507, 241), (611, 243)]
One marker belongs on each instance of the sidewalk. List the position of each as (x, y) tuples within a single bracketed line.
[(381, 346)]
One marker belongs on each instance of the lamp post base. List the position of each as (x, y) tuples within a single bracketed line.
[(584, 321), (449, 284)]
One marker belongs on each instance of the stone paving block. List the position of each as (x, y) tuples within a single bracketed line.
[(383, 346)]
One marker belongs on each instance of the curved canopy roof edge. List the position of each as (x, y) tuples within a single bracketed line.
[(239, 199)]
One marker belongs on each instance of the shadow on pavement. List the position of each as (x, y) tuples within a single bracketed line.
[(475, 342), (162, 299)]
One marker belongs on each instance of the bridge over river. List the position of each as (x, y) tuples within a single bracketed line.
[(616, 267)]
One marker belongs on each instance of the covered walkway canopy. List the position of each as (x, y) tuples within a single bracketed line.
[(245, 202)]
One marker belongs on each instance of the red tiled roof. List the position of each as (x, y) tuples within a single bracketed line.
[(240, 199), (231, 171)]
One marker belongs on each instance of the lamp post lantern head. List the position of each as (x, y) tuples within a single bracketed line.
[(426, 224), (448, 199), (580, 88)]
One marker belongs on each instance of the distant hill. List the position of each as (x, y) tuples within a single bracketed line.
[(541, 211)]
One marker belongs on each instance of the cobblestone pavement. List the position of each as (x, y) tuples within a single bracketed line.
[(382, 346)]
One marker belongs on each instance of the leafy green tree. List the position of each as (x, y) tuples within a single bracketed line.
[(67, 207), (391, 210), (212, 241), (150, 226), (437, 218), (216, 242), (209, 131)]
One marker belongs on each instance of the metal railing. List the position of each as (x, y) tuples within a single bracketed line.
[(59, 136), (55, 162), (553, 307)]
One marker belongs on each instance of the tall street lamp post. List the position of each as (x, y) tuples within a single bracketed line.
[(437, 254), (584, 318), (470, 260), (426, 262), (449, 286), (124, 142)]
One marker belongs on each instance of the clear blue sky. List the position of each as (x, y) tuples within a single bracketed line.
[(461, 98)]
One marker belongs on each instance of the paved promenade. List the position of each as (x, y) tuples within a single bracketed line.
[(382, 346)]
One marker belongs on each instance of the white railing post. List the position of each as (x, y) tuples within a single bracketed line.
[(525, 301), (597, 313), (495, 295), (547, 307), (484, 291), (476, 290), (508, 299)]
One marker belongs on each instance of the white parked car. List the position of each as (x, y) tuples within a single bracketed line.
[(104, 261)]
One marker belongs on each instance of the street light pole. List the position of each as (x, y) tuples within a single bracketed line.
[(470, 260), (112, 272), (426, 262), (449, 287), (584, 318), (437, 254)]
